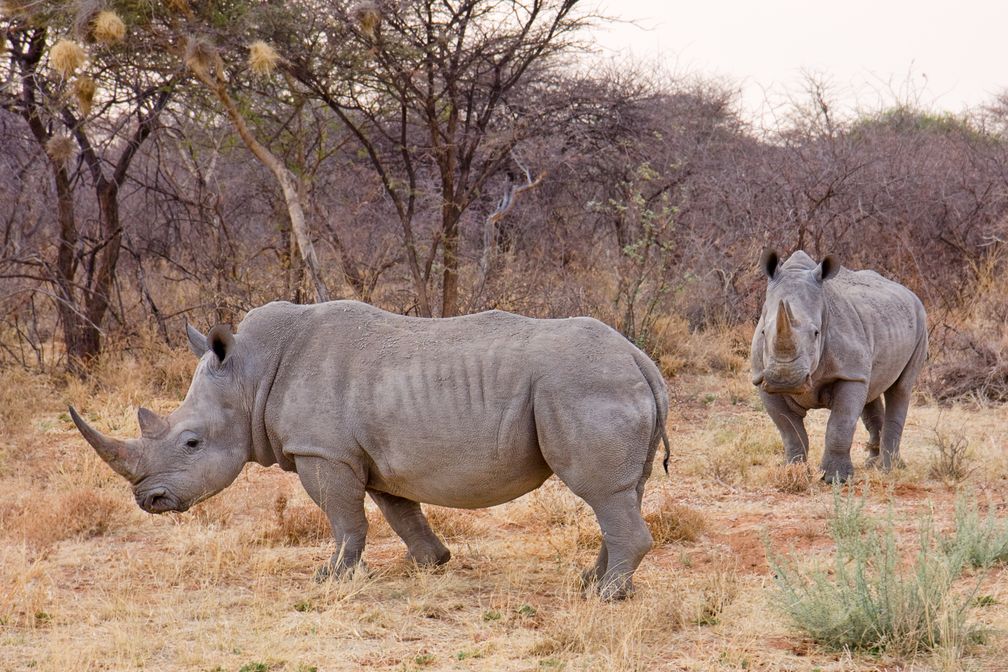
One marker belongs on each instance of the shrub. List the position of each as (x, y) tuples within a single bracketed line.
[(848, 524), (951, 460), (982, 542), (868, 600)]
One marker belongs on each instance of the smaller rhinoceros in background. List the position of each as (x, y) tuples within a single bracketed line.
[(837, 339), (465, 412)]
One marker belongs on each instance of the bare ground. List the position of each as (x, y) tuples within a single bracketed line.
[(89, 582)]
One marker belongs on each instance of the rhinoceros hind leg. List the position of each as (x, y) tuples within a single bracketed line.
[(897, 404), (409, 522), (626, 540), (873, 417), (338, 489), (591, 577)]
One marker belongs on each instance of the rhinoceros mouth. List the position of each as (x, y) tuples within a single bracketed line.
[(778, 387), (158, 500)]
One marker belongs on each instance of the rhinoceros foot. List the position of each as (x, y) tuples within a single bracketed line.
[(837, 470), (432, 557), (335, 569), (877, 461), (873, 460), (611, 591)]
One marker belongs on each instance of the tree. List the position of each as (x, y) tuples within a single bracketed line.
[(432, 92), (80, 109)]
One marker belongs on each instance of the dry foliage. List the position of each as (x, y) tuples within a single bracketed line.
[(671, 522), (108, 27), (451, 523), (84, 90), (60, 148), (66, 56), (793, 479), (262, 58), (79, 513), (952, 460), (298, 525)]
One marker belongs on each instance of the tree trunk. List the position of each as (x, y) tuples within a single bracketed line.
[(72, 318)]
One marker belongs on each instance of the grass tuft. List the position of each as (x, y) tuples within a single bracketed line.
[(673, 522), (298, 525), (792, 479)]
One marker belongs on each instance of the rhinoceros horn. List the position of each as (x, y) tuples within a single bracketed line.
[(784, 343), (122, 456), (152, 425)]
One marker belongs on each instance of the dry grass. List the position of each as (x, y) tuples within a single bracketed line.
[(87, 581), (298, 525), (672, 522), (678, 349), (66, 56), (451, 523), (792, 479)]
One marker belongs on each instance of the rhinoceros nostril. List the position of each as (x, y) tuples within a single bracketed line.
[(153, 499)]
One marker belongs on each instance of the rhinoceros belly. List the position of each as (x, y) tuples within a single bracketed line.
[(457, 432)]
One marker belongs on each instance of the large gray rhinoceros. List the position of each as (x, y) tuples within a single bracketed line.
[(837, 339), (463, 412)]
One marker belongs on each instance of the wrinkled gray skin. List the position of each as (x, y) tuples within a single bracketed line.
[(837, 339), (463, 412)]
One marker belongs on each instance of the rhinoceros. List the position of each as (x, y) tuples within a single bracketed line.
[(463, 412), (837, 339)]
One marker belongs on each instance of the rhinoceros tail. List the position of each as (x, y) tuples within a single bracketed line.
[(657, 384), (664, 462)]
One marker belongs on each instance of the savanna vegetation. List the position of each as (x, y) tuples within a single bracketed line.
[(181, 160)]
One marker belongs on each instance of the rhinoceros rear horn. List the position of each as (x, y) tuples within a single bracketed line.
[(784, 338), (120, 455), (152, 425)]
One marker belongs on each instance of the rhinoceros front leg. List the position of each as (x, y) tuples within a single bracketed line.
[(848, 402), (338, 489), (790, 424), (873, 416), (409, 522)]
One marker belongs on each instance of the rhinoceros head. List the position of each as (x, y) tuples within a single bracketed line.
[(197, 450), (792, 321)]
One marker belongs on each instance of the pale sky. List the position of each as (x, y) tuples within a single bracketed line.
[(950, 55)]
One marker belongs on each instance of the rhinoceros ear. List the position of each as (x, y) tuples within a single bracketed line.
[(197, 341), (221, 341), (768, 262), (828, 268)]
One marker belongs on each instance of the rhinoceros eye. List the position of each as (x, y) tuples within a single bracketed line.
[(192, 443)]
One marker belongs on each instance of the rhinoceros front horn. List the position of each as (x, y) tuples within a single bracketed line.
[(784, 339), (120, 455)]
